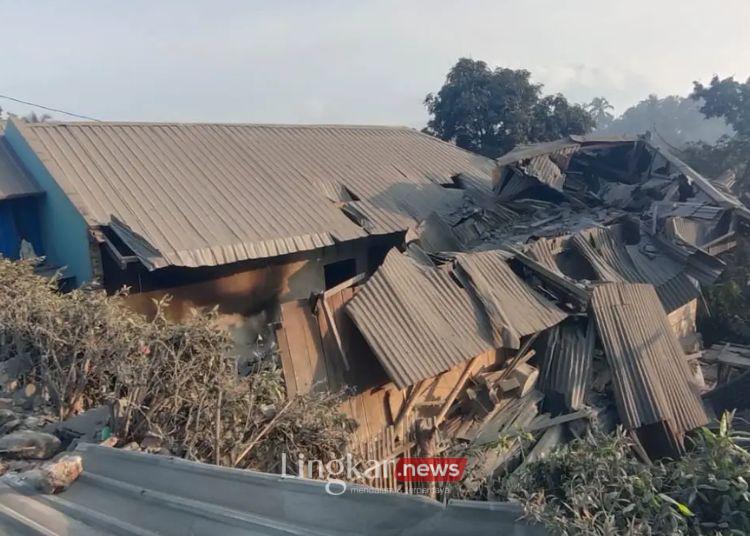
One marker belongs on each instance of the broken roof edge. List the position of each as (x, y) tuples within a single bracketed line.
[(526, 151)]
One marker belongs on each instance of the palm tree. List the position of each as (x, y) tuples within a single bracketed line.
[(599, 109)]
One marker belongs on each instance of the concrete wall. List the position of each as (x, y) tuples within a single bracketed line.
[(64, 233)]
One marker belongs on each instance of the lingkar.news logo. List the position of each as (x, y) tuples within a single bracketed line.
[(338, 473), (430, 469)]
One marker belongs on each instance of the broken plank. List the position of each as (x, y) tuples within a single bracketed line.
[(454, 392)]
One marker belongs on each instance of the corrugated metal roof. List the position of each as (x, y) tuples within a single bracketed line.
[(606, 254), (650, 374), (544, 251), (134, 493), (417, 320), (613, 261), (566, 367), (514, 309), (14, 181), (209, 194)]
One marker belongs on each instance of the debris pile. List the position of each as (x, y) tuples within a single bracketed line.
[(578, 282)]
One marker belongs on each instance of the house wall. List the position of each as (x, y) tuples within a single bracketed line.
[(253, 288), (64, 233)]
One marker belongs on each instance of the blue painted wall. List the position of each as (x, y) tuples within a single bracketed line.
[(64, 232)]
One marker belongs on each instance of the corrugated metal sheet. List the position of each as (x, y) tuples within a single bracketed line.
[(133, 493), (650, 374), (613, 261), (606, 254), (525, 167), (417, 320), (14, 182), (566, 367), (698, 211), (694, 232), (209, 194), (544, 251), (677, 291), (405, 206), (513, 308)]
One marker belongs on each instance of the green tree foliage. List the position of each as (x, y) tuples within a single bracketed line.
[(489, 111), (596, 485), (729, 100), (673, 121)]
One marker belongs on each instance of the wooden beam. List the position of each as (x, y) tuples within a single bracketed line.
[(410, 401), (454, 392), (334, 330), (344, 285)]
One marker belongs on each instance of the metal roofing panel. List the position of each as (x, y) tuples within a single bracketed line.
[(14, 181), (566, 367), (134, 493), (209, 194), (606, 254), (417, 320), (650, 374), (613, 261), (514, 309)]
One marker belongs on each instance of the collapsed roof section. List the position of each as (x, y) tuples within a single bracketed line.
[(423, 320), (210, 194), (650, 373), (599, 240)]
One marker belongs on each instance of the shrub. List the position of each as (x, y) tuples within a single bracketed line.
[(177, 380)]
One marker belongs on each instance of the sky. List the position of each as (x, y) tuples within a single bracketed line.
[(330, 61)]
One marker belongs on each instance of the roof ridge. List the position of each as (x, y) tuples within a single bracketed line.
[(222, 124)]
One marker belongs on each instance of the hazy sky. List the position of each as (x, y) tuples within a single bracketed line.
[(349, 61)]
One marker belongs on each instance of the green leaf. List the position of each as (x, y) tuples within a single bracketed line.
[(682, 508)]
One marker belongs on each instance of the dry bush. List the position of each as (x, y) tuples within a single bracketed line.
[(177, 380)]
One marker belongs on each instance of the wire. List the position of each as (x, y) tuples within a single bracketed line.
[(50, 109)]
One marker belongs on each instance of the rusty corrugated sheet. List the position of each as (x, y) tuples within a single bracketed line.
[(566, 367), (649, 371), (417, 320), (210, 194), (514, 309), (14, 182)]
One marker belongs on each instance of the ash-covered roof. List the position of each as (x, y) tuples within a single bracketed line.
[(211, 194)]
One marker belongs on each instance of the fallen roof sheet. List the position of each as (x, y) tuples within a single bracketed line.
[(210, 194), (123, 492), (613, 261), (650, 373), (417, 320), (14, 181), (565, 374), (514, 309)]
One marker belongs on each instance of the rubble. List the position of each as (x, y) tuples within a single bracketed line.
[(580, 274), (509, 323), (57, 475), (29, 444)]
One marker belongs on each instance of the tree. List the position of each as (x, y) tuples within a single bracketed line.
[(673, 120), (489, 111), (599, 108), (729, 100)]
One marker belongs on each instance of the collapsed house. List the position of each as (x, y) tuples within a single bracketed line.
[(456, 299)]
